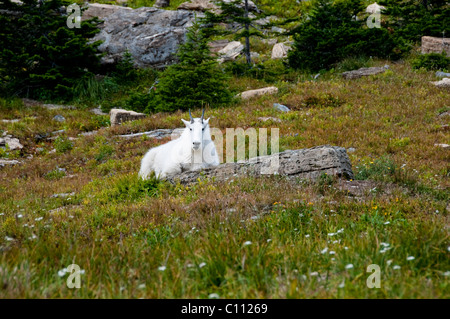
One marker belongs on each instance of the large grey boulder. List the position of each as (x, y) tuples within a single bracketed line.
[(304, 163), (435, 45), (356, 74), (280, 51), (118, 116), (258, 92), (151, 35), (209, 5), (230, 52)]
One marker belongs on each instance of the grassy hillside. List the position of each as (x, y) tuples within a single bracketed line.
[(247, 238)]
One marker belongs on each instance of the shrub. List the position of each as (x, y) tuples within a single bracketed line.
[(331, 34), (432, 61), (196, 80), (412, 19), (40, 57), (63, 144)]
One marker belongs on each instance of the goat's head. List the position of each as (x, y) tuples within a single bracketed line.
[(197, 127)]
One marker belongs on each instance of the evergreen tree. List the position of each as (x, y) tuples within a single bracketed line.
[(331, 33), (193, 82), (412, 19), (40, 57), (233, 13)]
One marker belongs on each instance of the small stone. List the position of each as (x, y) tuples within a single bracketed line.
[(281, 107), (356, 74), (59, 118), (351, 150), (265, 119)]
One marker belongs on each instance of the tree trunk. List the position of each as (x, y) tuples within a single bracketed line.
[(162, 3), (247, 36)]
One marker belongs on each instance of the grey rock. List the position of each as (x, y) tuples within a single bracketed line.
[(278, 30), (280, 51), (98, 111), (254, 93), (4, 163), (265, 20), (57, 107), (351, 150), (158, 134), (59, 118), (231, 51), (441, 74), (355, 74), (281, 107), (62, 195), (435, 45), (273, 119), (442, 84), (150, 35), (12, 142), (304, 163), (118, 116)]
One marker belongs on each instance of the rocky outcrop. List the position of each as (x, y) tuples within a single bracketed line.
[(118, 116), (151, 35), (443, 84), (304, 163), (435, 45), (356, 74), (280, 51), (252, 93)]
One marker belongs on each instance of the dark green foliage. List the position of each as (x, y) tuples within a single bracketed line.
[(412, 19), (331, 34), (432, 61), (40, 57), (195, 81)]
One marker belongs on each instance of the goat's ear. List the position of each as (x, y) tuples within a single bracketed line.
[(206, 121), (186, 122)]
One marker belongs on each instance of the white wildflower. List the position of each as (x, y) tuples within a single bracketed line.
[(38, 219), (324, 250), (213, 296), (410, 258), (396, 267), (247, 243), (349, 266), (162, 268), (202, 265)]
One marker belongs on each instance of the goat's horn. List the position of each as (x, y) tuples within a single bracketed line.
[(190, 115), (203, 113)]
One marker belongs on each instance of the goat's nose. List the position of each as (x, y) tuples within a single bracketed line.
[(196, 143)]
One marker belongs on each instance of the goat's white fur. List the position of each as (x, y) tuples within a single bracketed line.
[(193, 150)]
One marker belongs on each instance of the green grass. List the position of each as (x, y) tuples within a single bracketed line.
[(122, 230)]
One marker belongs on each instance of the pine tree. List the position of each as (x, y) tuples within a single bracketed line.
[(233, 13), (412, 19), (331, 34), (40, 57), (195, 81)]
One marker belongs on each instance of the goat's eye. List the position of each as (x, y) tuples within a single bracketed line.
[(203, 129), (190, 129)]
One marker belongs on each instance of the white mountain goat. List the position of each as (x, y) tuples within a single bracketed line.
[(193, 150)]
